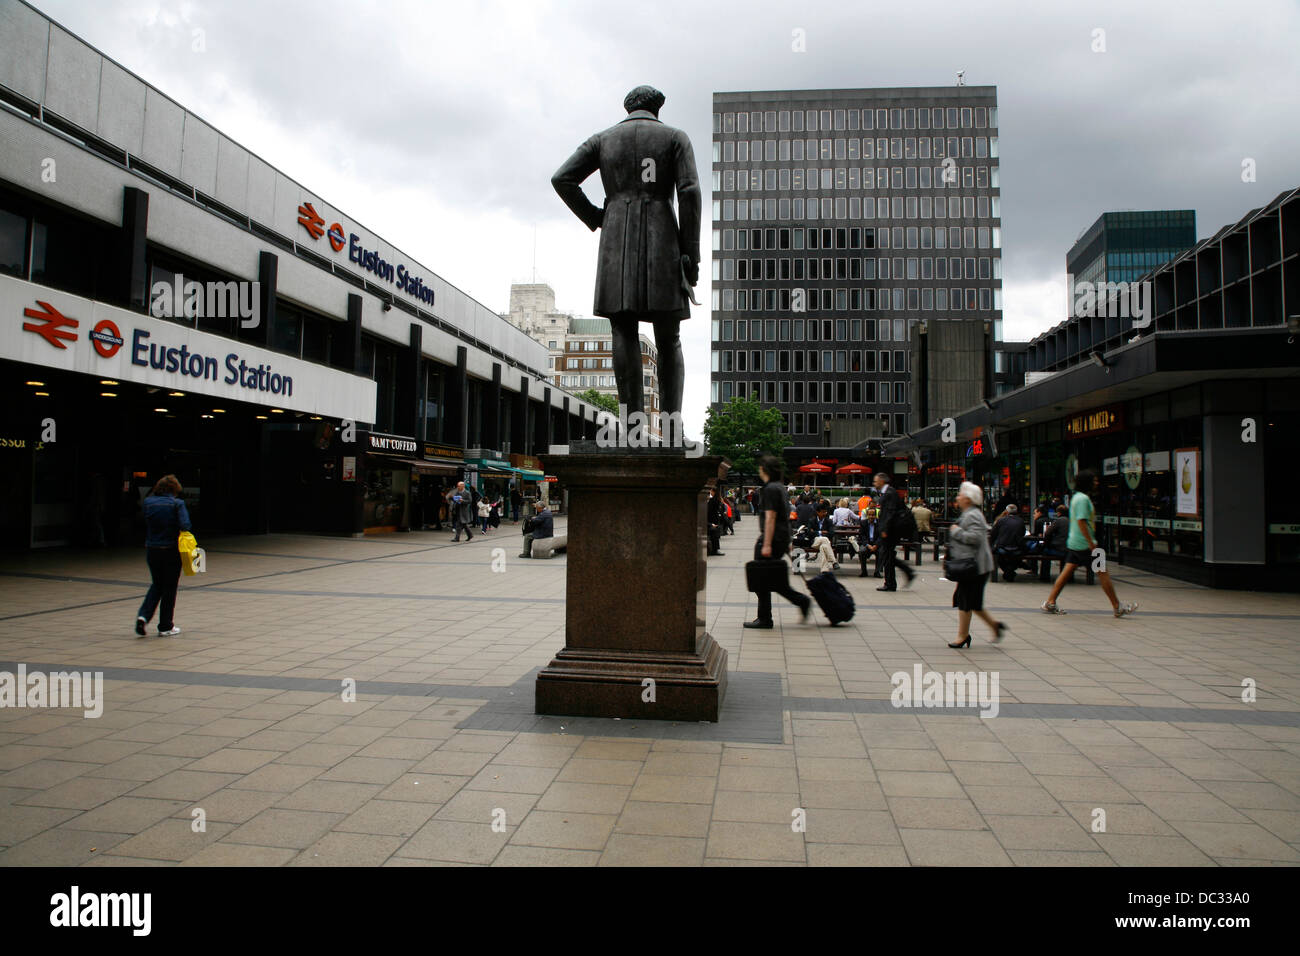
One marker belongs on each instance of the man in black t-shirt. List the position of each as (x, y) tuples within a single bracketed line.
[(774, 540)]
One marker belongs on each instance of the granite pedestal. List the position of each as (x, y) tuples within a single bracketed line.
[(635, 644)]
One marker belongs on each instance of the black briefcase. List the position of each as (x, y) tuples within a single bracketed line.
[(766, 574)]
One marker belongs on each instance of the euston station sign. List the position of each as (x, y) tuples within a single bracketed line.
[(370, 260), (124, 345)]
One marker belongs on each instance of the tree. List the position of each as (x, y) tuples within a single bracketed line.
[(743, 431), (592, 397)]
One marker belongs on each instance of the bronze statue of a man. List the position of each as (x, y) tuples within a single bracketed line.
[(647, 264)]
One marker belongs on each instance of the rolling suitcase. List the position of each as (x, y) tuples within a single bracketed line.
[(832, 597)]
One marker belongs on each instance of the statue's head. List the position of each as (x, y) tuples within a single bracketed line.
[(644, 98)]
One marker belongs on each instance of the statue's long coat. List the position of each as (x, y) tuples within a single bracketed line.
[(639, 267)]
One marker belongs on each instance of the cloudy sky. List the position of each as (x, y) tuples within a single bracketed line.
[(438, 124)]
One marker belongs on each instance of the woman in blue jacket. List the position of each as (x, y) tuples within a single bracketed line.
[(165, 517)]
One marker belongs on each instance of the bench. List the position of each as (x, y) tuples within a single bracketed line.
[(908, 548), (1035, 560), (546, 547)]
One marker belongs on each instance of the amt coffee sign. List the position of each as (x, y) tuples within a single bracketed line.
[(390, 444), (127, 346)]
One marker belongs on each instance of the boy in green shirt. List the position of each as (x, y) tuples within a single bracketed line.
[(1080, 544)]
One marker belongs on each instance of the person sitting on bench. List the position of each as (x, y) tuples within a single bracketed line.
[(541, 525)]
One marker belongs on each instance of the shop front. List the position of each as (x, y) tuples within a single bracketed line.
[(1191, 439), (529, 478), (383, 473), (434, 476)]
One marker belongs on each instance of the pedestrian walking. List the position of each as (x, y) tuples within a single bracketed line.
[(716, 518), (165, 517), (968, 563), (890, 527), (1080, 543), (461, 507), (774, 540)]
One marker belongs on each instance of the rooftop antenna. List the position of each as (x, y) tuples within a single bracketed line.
[(534, 253), (961, 77)]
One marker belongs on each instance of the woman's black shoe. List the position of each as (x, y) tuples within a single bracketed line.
[(965, 643), (998, 634)]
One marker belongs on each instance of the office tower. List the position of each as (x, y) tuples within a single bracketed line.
[(842, 219), (1120, 246)]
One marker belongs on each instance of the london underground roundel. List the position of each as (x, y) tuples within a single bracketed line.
[(336, 237), (106, 338)]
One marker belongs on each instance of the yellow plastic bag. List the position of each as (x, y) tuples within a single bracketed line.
[(193, 560)]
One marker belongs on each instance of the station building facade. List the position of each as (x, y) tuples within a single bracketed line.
[(1190, 415), (169, 302)]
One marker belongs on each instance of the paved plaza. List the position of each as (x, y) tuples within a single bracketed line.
[(440, 760)]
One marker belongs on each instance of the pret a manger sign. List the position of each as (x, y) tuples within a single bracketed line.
[(1098, 421), (42, 327)]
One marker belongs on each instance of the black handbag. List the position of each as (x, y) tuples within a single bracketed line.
[(766, 574), (960, 570)]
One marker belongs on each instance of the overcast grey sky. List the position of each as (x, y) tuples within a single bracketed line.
[(438, 125)]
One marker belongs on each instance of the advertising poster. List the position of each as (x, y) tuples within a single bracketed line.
[(1187, 473)]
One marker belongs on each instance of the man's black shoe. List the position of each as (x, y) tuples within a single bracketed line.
[(886, 589), (761, 625)]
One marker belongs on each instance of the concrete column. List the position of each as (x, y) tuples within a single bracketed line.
[(135, 229), (1233, 474), (461, 379), (520, 439), (492, 410), (267, 331), (542, 430), (345, 345), (407, 417)]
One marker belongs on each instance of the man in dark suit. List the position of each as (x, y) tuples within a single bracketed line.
[(1009, 542), (646, 265), (890, 506), (805, 512)]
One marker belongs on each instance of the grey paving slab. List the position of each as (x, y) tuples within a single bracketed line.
[(439, 759)]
